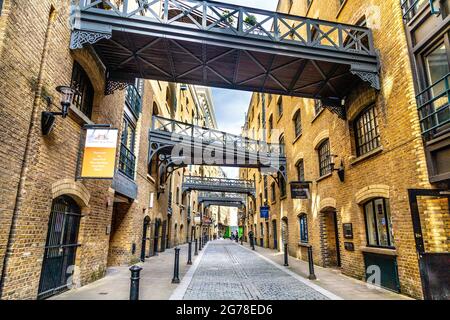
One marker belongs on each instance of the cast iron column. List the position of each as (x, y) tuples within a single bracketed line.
[(176, 269), (286, 263), (190, 253), (311, 276)]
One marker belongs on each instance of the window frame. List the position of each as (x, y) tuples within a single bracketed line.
[(324, 158), (372, 135), (84, 100), (298, 129), (391, 241), (300, 173), (303, 228)]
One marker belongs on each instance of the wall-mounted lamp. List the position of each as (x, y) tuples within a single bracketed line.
[(48, 118), (340, 170)]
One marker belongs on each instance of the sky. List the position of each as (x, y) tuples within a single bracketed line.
[(231, 105)]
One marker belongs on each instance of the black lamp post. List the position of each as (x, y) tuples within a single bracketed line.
[(48, 118), (340, 170)]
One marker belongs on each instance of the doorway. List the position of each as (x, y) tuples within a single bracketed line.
[(60, 247), (430, 212), (275, 234), (331, 253), (144, 238)]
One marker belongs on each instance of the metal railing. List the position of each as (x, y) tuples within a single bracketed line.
[(215, 137), (127, 162), (434, 108), (222, 182), (133, 100), (410, 8), (240, 21), (222, 196)]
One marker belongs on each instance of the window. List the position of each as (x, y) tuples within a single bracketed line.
[(367, 134), (270, 124), (298, 124), (127, 159), (324, 158), (273, 192), (1, 7), (280, 107), (80, 81), (282, 187), (303, 221), (178, 195), (378, 223), (317, 107), (300, 170), (266, 189), (282, 145)]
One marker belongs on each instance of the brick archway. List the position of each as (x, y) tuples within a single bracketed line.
[(74, 189), (372, 192), (323, 135)]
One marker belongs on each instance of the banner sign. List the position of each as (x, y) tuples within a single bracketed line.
[(99, 157), (300, 190), (264, 211)]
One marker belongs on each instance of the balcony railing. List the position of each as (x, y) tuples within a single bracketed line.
[(133, 100), (434, 108), (127, 162), (212, 16), (410, 8), (215, 137)]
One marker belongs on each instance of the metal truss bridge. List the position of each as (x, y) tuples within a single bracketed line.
[(221, 199), (176, 144), (221, 45), (194, 183)]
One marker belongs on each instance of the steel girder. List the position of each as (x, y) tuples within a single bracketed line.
[(229, 46)]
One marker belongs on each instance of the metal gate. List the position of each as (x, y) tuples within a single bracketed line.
[(60, 247), (431, 218)]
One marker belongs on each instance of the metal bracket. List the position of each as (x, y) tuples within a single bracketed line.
[(335, 106), (79, 38), (372, 78), (111, 86)]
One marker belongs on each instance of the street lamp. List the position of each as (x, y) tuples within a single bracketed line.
[(340, 170), (48, 118)]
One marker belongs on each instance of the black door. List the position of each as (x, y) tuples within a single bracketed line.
[(60, 248), (275, 234), (156, 238), (434, 258), (144, 238)]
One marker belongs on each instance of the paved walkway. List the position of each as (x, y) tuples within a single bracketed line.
[(226, 270)]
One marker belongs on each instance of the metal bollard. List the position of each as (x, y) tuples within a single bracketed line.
[(176, 268), (200, 243), (189, 253), (286, 254), (252, 241), (311, 276), (196, 248), (134, 284)]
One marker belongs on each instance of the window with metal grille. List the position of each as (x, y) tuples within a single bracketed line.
[(298, 124), (80, 81), (303, 221), (317, 106), (367, 133), (301, 170), (378, 223), (324, 158)]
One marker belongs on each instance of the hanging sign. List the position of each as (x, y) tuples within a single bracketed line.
[(99, 157), (300, 190), (264, 211)]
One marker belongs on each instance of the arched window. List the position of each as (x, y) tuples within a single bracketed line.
[(324, 158), (273, 192), (280, 106), (378, 223), (303, 222), (178, 195), (300, 166), (282, 145), (298, 124), (80, 81)]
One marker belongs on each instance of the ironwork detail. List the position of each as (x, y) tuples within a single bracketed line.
[(112, 86), (224, 45), (80, 38), (372, 78)]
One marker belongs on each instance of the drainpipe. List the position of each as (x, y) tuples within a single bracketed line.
[(28, 155)]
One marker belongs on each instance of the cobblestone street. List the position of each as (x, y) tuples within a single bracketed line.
[(228, 271)]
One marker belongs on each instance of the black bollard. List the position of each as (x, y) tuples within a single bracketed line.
[(196, 248), (200, 243), (286, 254), (311, 276), (190, 253), (252, 241), (176, 268), (134, 284)]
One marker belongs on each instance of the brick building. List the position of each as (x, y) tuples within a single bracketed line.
[(361, 214), (56, 229)]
